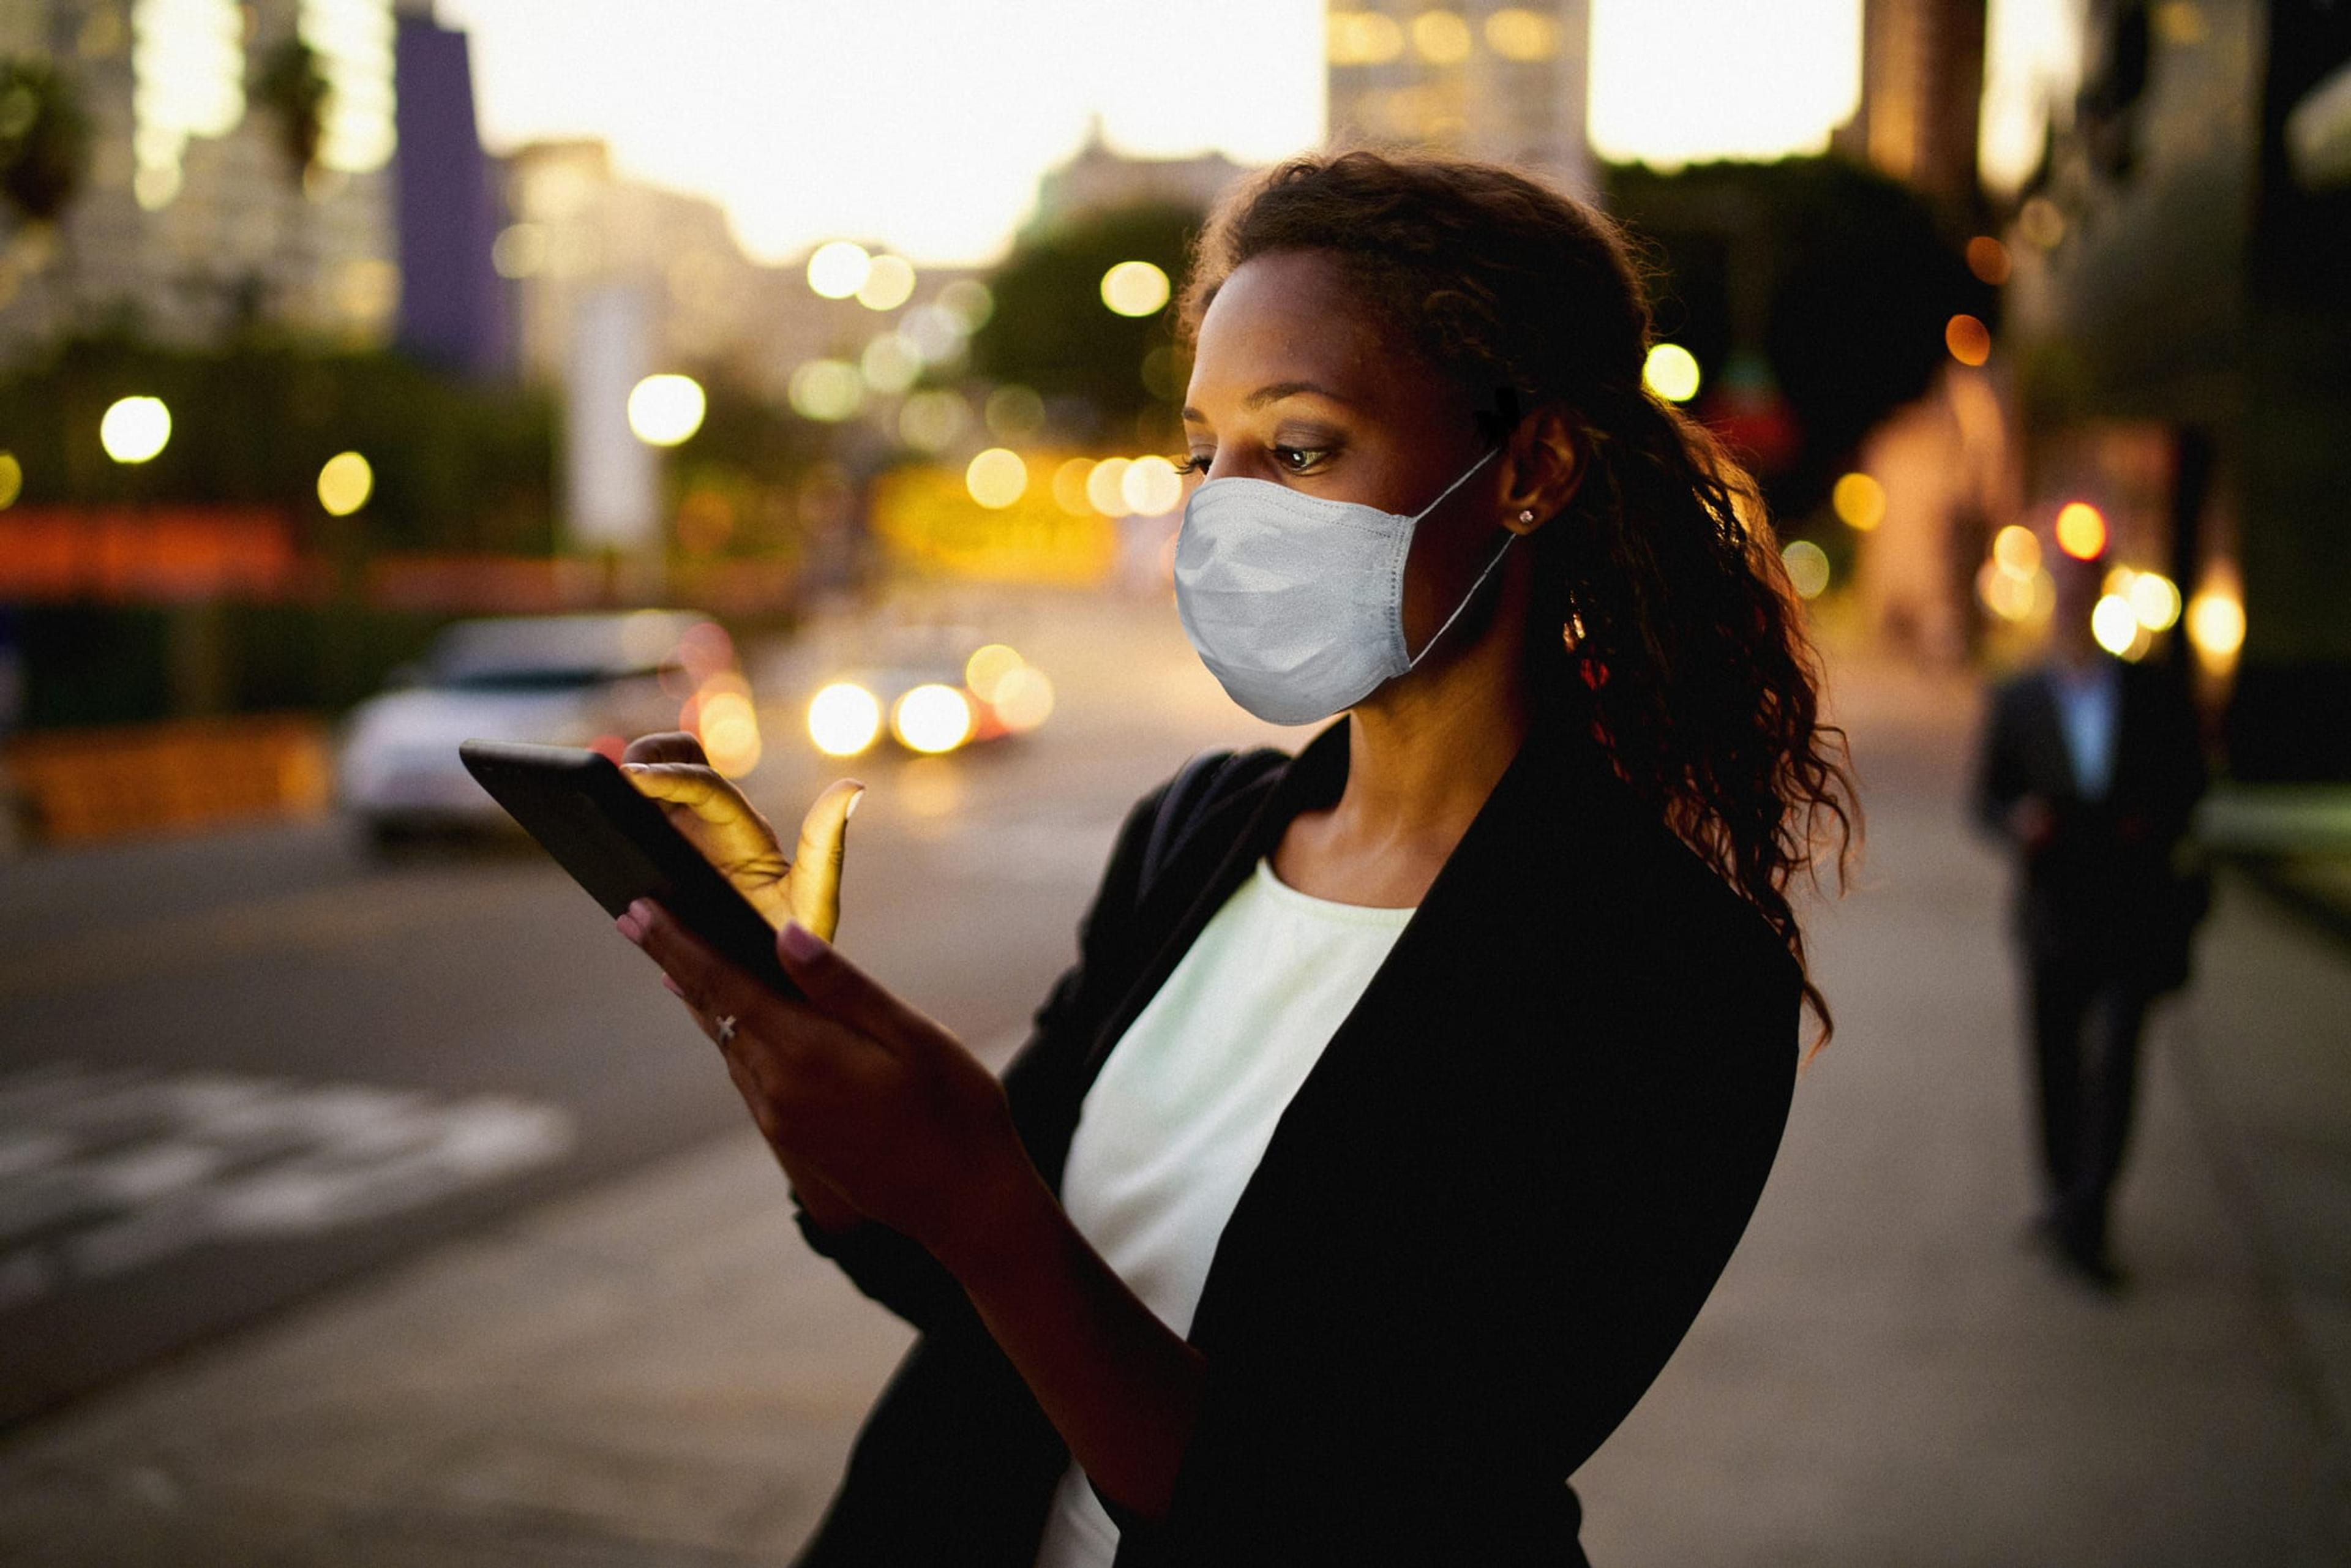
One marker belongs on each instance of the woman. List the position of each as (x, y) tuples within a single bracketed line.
[(1408, 1096)]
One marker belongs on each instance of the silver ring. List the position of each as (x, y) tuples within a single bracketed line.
[(726, 1027)]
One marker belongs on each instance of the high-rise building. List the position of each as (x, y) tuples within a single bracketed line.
[(1498, 81), (222, 184), (453, 306), (1922, 80)]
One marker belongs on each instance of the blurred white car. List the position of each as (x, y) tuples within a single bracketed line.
[(596, 681)]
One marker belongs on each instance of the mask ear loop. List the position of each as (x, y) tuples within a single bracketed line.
[(1508, 538)]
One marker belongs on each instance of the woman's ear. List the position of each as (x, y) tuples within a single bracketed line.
[(1546, 463)]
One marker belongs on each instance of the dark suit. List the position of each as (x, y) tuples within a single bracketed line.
[(1479, 1230), (2104, 910)]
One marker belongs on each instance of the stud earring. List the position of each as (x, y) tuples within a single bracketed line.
[(1526, 516)]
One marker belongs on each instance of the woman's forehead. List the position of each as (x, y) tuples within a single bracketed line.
[(1291, 317)]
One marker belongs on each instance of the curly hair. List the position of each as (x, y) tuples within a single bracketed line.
[(1662, 610)]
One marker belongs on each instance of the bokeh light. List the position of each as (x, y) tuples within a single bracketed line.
[(134, 429), (1070, 486), (729, 727), (12, 479), (666, 409), (996, 478), (2155, 598), (1968, 340), (986, 668), (1106, 486), (2115, 625), (2016, 551), (839, 268), (932, 718), (1859, 501), (2014, 596), (345, 483), (2216, 628), (827, 390), (843, 720), (1014, 413), (1808, 567), (1671, 373), (1363, 38), (1134, 289), (889, 282), (930, 421), (969, 301), (890, 364), (1988, 259), (1151, 487), (2081, 530), (1440, 37), (1023, 700), (1516, 33)]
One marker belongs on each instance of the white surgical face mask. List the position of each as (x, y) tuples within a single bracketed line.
[(1296, 602)]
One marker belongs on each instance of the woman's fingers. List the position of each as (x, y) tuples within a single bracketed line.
[(842, 991), (815, 890), (694, 785), (668, 745)]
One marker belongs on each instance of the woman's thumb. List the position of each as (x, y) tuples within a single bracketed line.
[(815, 888)]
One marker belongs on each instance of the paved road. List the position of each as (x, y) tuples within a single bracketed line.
[(234, 1068)]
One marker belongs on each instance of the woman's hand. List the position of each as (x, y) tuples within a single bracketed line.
[(854, 1088), (733, 837)]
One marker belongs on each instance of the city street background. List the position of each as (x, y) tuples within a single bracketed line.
[(625, 1354)]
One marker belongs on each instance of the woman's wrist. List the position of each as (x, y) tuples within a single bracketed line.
[(1005, 1219)]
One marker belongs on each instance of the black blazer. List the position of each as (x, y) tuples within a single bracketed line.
[(2111, 884), (1479, 1230)]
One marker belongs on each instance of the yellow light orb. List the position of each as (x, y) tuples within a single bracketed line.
[(2114, 625), (1808, 567), (1860, 502), (2016, 551), (1134, 289), (729, 730), (2216, 625), (1070, 486), (1023, 700), (345, 483), (1440, 37), (135, 429), (932, 718), (666, 409), (1516, 33), (827, 390), (889, 283), (843, 720), (2005, 593), (1363, 38), (890, 364), (2154, 597), (1671, 373), (1106, 486), (839, 269), (996, 478), (969, 301), (1151, 487), (986, 668), (2081, 530), (11, 480)]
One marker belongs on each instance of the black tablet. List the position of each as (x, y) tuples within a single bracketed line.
[(621, 847)]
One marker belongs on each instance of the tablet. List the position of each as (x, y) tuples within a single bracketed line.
[(620, 846)]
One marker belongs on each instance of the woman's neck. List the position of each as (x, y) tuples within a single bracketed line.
[(1422, 756)]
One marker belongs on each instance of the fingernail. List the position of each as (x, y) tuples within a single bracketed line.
[(851, 810), (627, 927), (799, 942), (673, 988), (641, 912)]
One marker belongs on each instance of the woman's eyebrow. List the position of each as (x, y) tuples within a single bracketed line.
[(1275, 394)]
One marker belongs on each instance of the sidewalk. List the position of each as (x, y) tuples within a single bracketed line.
[(659, 1374)]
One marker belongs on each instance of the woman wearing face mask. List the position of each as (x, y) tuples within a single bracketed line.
[(1409, 1095)]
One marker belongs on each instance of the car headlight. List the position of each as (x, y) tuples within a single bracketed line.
[(843, 720), (933, 718)]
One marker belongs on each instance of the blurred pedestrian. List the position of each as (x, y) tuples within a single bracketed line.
[(1409, 1094), (2091, 767)]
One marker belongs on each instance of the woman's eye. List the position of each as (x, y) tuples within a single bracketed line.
[(1300, 459), (1195, 464)]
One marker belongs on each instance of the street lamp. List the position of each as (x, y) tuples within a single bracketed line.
[(665, 410), (135, 429)]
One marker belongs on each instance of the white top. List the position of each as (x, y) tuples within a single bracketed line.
[(2088, 704), (1173, 1125)]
